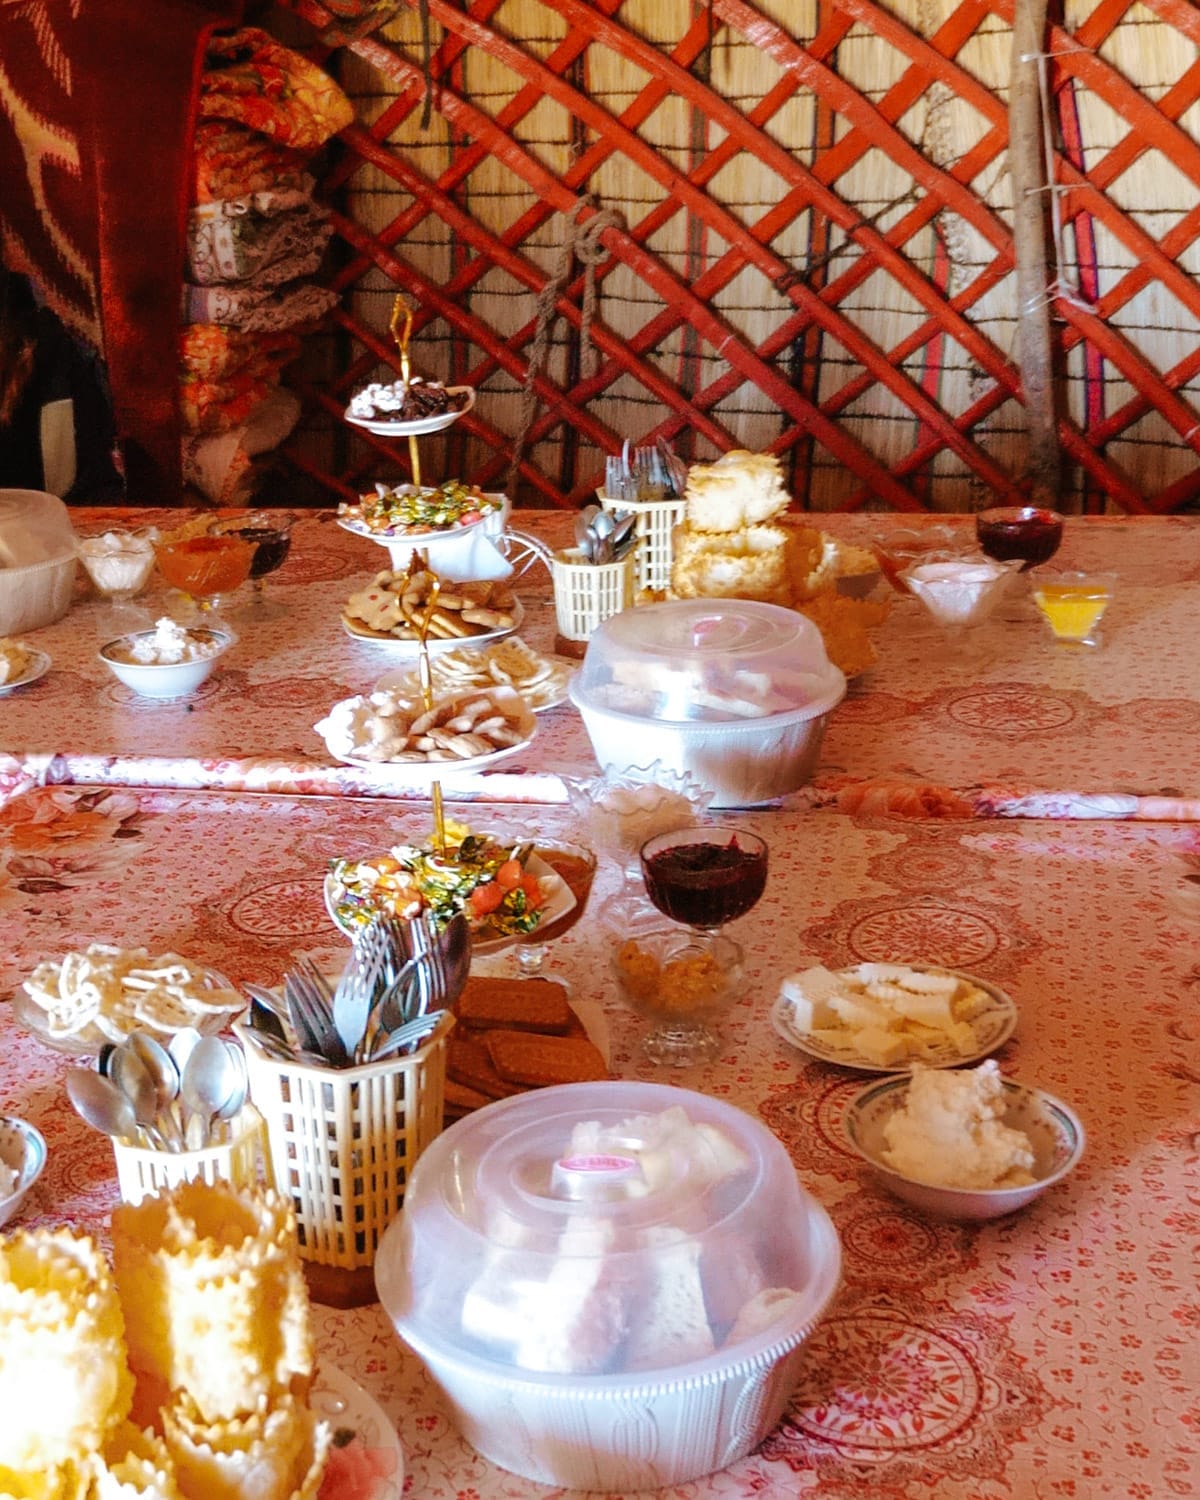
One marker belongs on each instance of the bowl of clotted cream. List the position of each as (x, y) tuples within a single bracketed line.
[(169, 661), (964, 1143)]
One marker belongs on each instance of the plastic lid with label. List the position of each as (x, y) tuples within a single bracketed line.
[(708, 661), (582, 1223)]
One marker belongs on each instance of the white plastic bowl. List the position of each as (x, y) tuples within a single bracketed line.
[(1055, 1132), (36, 595), (165, 680), (24, 1150), (744, 762), (479, 1238)]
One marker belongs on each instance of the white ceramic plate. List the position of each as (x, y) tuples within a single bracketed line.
[(397, 646), (421, 773), (342, 1402), (992, 1026), (382, 427), (436, 538), (560, 903), (39, 665)]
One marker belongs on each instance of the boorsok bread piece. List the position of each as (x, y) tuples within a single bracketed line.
[(64, 1380), (213, 1295), (747, 564), (540, 1061), (739, 490), (275, 1452), (469, 1062), (516, 1004)]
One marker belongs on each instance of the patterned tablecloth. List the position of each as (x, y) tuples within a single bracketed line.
[(1051, 1354)]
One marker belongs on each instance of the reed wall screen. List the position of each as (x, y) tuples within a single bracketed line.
[(784, 225)]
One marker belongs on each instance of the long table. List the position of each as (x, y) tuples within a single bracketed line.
[(1049, 1354)]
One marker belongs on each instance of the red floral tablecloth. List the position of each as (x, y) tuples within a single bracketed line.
[(1017, 714), (1052, 1354)]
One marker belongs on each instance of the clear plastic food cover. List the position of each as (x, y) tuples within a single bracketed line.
[(708, 661), (602, 1228), (34, 528)]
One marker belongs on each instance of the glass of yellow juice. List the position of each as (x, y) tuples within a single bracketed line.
[(1073, 604)]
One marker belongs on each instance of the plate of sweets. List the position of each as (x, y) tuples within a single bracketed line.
[(506, 889), (889, 1017), (393, 608), (408, 408), (511, 662), (20, 665), (99, 994), (420, 513)]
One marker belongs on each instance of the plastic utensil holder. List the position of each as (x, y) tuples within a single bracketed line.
[(242, 1160), (587, 593), (654, 529), (343, 1141)]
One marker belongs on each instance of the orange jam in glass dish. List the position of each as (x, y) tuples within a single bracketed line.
[(205, 566)]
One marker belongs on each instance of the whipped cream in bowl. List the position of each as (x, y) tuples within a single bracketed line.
[(964, 1144), (119, 563), (169, 661)]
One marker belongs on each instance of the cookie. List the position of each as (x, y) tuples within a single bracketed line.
[(516, 1004), (468, 1063), (540, 1061)]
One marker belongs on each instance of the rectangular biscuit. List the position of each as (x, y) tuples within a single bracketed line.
[(539, 1061), (515, 1004), (469, 1063)]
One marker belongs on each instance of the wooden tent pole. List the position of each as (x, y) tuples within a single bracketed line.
[(1030, 177)]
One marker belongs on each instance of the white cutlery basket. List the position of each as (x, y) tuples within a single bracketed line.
[(243, 1160), (344, 1141), (654, 529), (585, 594)]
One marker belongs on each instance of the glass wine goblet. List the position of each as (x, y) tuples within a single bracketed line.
[(1027, 534), (703, 877), (203, 568), (575, 865), (269, 533)]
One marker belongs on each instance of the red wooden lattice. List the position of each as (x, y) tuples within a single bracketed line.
[(844, 369)]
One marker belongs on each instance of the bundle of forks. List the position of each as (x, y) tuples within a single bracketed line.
[(391, 996), (637, 474)]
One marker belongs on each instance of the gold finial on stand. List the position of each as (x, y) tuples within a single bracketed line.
[(425, 677), (401, 330)]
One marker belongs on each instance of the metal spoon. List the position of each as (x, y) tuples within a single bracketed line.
[(209, 1079), (131, 1075), (164, 1071), (101, 1103)]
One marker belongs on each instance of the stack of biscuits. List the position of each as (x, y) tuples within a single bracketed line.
[(512, 1035), (398, 604)]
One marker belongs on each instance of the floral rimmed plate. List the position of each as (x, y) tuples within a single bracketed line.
[(418, 426), (38, 666), (366, 1461), (993, 1026)]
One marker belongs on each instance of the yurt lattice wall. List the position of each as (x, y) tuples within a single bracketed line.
[(783, 225)]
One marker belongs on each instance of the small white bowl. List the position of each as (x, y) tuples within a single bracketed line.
[(24, 1150), (1055, 1132), (166, 679)]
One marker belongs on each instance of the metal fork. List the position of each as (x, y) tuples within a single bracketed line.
[(310, 1003)]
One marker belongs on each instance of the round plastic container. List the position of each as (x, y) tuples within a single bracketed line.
[(611, 1282), (37, 560), (734, 692)]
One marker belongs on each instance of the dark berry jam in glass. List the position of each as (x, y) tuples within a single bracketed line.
[(1022, 532), (270, 548), (704, 877)]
